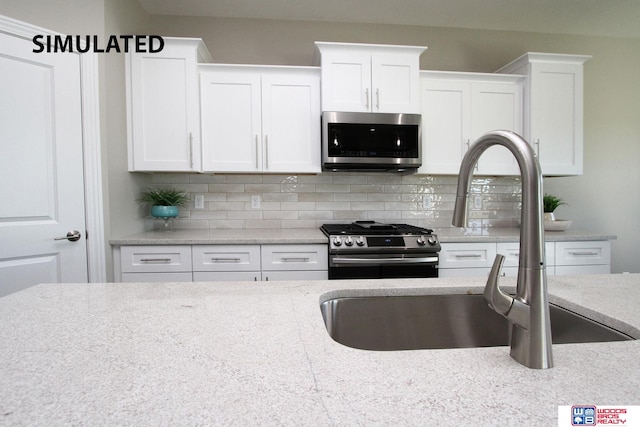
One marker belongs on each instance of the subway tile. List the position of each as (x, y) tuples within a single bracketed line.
[(226, 188), (263, 223), (228, 224), (315, 197), (244, 179), (280, 215), (315, 215), (262, 188), (332, 188), (297, 206), (349, 197), (298, 223)]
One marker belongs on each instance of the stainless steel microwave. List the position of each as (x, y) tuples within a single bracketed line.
[(380, 142)]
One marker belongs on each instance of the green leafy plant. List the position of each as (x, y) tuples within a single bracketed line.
[(550, 203), (163, 197)]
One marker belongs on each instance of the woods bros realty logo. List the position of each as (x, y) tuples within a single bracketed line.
[(592, 415), (91, 43)]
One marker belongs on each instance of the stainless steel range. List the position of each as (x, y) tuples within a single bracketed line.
[(371, 250)]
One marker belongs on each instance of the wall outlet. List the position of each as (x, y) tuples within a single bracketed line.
[(255, 202), (199, 202), (427, 202), (477, 202)]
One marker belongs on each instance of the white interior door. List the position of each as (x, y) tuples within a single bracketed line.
[(41, 167)]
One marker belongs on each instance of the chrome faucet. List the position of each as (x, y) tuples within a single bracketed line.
[(529, 310)]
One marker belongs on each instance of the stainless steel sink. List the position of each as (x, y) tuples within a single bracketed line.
[(441, 321)]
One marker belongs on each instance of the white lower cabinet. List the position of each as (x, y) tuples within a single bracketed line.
[(220, 263), (294, 262), (590, 257), (466, 259), (511, 251), (166, 263), (217, 263), (562, 258)]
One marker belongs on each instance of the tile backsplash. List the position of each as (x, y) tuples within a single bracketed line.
[(308, 201)]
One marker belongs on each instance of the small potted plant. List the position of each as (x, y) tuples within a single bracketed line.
[(164, 202), (550, 203)]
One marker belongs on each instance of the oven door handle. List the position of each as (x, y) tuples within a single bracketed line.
[(422, 260)]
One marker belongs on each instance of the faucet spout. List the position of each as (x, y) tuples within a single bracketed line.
[(529, 310)]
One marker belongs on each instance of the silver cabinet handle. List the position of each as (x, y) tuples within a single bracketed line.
[(537, 144), (385, 260), (294, 259), (257, 147), (584, 253), (155, 260), (377, 98), (191, 149), (266, 152), (225, 259), (366, 95), (468, 256), (71, 236)]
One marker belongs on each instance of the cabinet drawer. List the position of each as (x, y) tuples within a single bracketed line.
[(226, 258), (583, 253), (511, 251), (155, 259), (294, 257), (467, 255)]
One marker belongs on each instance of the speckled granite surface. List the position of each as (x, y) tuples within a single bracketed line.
[(313, 235), (258, 354)]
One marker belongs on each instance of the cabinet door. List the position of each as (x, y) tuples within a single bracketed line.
[(291, 121), (155, 259), (467, 255), (294, 257), (496, 106), (346, 81), (163, 118), (395, 83), (231, 122), (226, 258), (445, 109), (557, 117)]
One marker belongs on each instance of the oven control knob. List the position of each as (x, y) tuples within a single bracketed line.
[(360, 241), (421, 241), (349, 241), (337, 241), (432, 240)]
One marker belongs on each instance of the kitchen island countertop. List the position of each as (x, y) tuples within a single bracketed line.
[(315, 236), (258, 354)]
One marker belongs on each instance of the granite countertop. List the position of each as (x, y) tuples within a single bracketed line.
[(258, 354), (315, 236)]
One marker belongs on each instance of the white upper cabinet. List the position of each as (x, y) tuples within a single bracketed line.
[(260, 119), (370, 78), (457, 109), (163, 126), (553, 109)]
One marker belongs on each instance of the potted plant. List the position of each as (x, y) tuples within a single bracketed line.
[(550, 203), (164, 202)]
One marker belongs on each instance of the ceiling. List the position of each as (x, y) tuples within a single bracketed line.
[(616, 18)]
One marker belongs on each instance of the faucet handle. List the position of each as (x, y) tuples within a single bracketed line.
[(497, 300), (514, 310)]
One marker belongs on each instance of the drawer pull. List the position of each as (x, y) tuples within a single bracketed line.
[(155, 260), (295, 259), (468, 256), (225, 259), (583, 253)]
